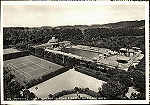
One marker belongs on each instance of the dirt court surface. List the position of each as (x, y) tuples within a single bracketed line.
[(66, 81), (31, 67)]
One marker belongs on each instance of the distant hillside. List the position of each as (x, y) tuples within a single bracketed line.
[(124, 24), (120, 34)]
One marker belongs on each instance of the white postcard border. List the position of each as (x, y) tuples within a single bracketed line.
[(64, 102)]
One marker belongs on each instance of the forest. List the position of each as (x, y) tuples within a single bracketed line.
[(113, 35)]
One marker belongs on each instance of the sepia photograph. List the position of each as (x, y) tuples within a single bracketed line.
[(74, 52)]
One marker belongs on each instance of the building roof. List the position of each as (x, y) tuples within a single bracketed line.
[(10, 50), (137, 48), (127, 50), (53, 40), (123, 49), (131, 50), (123, 58)]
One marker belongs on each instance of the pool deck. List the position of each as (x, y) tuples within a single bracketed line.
[(110, 61)]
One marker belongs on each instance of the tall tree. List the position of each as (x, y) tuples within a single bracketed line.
[(113, 90)]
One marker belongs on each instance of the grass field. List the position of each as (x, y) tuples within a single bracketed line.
[(31, 67)]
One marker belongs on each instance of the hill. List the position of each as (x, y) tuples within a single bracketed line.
[(108, 35)]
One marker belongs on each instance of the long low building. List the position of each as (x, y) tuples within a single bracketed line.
[(12, 53)]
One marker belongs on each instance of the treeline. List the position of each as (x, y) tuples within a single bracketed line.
[(76, 90), (96, 74), (88, 35)]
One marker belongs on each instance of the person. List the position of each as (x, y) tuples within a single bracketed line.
[(49, 67), (36, 88)]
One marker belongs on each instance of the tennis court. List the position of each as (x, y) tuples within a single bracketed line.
[(66, 81), (31, 67)]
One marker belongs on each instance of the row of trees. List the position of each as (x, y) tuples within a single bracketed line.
[(97, 74), (77, 91)]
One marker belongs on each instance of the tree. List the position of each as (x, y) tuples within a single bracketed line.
[(124, 78), (8, 77), (32, 96), (113, 90), (12, 90), (137, 96), (138, 80)]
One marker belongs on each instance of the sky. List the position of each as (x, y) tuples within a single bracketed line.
[(57, 15)]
